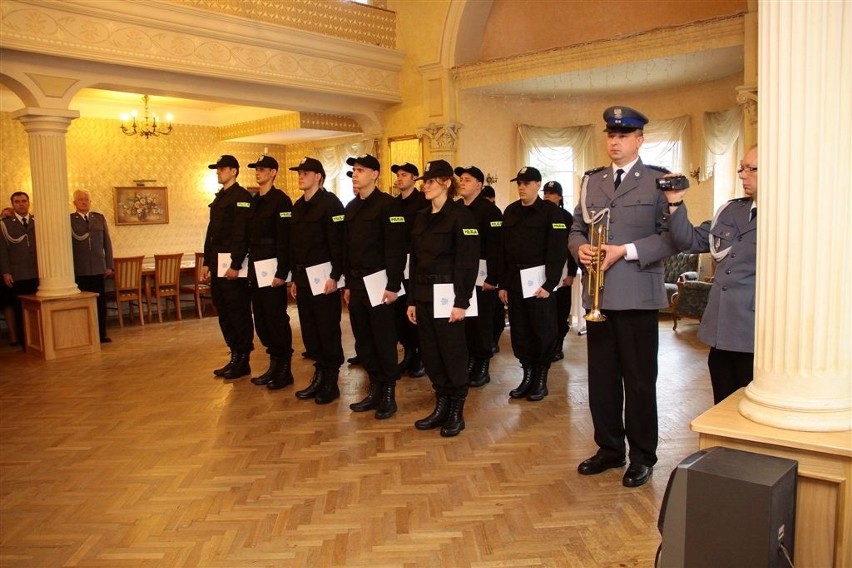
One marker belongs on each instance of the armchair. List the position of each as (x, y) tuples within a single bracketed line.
[(690, 300), (675, 266)]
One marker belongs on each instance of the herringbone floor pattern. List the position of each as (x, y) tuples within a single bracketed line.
[(139, 457)]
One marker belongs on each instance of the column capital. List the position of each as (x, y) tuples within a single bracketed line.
[(442, 137), (54, 120)]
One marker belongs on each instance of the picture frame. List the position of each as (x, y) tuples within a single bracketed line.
[(141, 205)]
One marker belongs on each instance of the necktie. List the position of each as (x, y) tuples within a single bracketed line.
[(753, 214), (26, 222), (86, 218), (618, 173)]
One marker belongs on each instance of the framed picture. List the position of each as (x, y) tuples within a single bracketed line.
[(141, 205)]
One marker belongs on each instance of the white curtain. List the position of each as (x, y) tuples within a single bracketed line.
[(333, 159), (562, 154), (721, 131), (666, 144)]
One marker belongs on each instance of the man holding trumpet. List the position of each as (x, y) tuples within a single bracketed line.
[(623, 344)]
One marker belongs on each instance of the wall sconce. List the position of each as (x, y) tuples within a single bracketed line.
[(490, 180), (694, 173)]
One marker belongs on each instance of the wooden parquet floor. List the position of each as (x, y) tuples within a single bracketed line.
[(138, 457)]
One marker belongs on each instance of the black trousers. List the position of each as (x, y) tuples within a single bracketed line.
[(729, 372), (499, 320), (533, 328), (95, 283), (20, 288), (443, 348), (375, 336), (563, 314), (232, 301), (271, 320), (406, 331), (623, 375), (480, 330), (319, 318)]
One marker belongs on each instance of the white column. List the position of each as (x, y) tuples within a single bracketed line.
[(803, 350), (46, 130)]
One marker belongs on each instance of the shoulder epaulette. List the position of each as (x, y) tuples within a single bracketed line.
[(658, 168), (594, 170), (737, 199)]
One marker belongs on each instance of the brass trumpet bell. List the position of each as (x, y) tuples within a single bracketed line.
[(594, 315)]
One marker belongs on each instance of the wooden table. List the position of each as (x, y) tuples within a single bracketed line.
[(187, 268)]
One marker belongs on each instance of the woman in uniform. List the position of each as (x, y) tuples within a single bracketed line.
[(444, 250)]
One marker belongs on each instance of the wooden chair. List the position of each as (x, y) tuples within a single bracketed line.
[(128, 286), (166, 282), (200, 290)]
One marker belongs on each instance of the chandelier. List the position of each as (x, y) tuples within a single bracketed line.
[(149, 126)]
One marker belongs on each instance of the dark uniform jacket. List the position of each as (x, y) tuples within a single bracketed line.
[(444, 249), (269, 229), (228, 228), (18, 258), (90, 244), (728, 320), (374, 233), (409, 208), (638, 213), (316, 235), (568, 219), (489, 221), (533, 235)]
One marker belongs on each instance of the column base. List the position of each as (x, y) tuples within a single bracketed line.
[(755, 408), (60, 327), (823, 509)]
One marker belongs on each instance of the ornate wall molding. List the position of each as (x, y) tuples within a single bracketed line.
[(176, 37), (442, 137), (747, 99), (288, 121), (664, 42)]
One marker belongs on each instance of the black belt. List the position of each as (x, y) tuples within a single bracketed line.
[(433, 279)]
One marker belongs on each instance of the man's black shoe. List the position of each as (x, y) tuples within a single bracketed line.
[(106, 340), (597, 464), (636, 475), (558, 356)]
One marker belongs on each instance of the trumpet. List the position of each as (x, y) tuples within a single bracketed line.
[(597, 237)]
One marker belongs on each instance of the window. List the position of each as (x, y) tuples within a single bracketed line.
[(722, 146), (665, 144), (560, 154)]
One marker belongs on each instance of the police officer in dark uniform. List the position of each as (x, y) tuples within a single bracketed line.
[(269, 240), (489, 222), (553, 192), (227, 233), (534, 234), (92, 249), (374, 240), (19, 257), (622, 350), (444, 250), (316, 237), (411, 201)]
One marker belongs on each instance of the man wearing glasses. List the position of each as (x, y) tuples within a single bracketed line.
[(728, 322)]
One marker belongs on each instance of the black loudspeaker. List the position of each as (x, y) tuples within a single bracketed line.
[(730, 508)]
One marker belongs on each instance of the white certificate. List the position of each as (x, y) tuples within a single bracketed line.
[(483, 272), (318, 274), (563, 276), (531, 280), (405, 270), (376, 284), (265, 271), (225, 263), (444, 296)]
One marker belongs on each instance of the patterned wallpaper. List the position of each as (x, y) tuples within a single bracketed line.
[(100, 157)]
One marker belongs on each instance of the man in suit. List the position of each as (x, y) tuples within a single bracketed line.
[(18, 256), (92, 250), (728, 322), (622, 350)]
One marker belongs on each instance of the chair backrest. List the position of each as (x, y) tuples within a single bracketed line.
[(199, 267), (679, 263), (128, 273), (167, 270)]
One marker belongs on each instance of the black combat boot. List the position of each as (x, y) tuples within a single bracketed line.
[(264, 379), (480, 375), (329, 391), (387, 406), (526, 383), (539, 386), (313, 388), (283, 376), (455, 418), (239, 369), (438, 416), (371, 401), (407, 359), (221, 371), (416, 369)]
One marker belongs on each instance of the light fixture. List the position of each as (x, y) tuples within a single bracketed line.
[(148, 126), (695, 174), (490, 180)]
